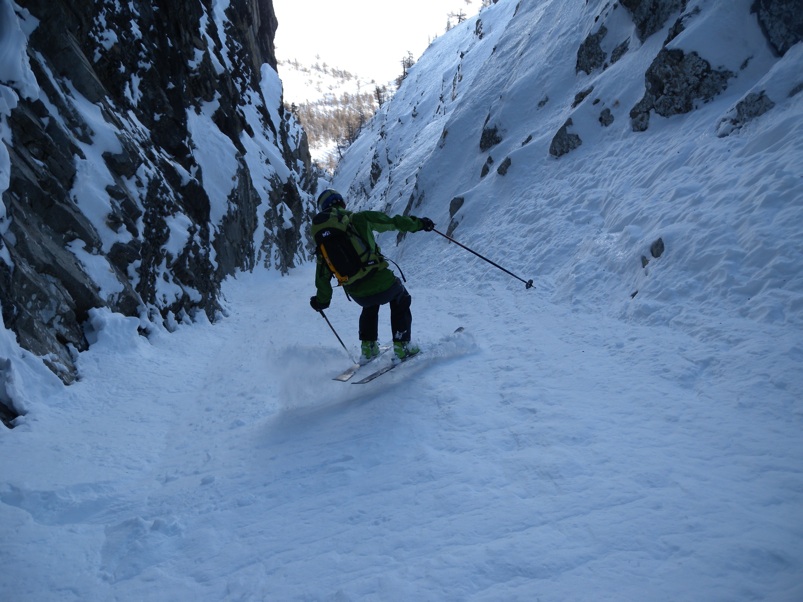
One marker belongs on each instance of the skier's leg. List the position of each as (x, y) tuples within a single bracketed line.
[(369, 323), (401, 318)]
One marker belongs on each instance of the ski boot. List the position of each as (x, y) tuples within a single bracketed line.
[(370, 350), (404, 349)]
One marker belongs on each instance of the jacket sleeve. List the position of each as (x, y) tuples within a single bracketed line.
[(323, 280), (381, 222)]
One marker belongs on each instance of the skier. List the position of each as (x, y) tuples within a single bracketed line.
[(371, 282)]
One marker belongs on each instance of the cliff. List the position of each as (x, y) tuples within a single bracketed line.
[(146, 157)]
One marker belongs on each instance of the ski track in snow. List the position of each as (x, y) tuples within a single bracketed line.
[(544, 454)]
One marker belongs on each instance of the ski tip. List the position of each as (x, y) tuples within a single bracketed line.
[(347, 374)]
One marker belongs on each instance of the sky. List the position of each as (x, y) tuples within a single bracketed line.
[(619, 432), (365, 37)]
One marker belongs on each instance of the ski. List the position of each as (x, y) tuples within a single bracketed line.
[(354, 368), (348, 373), (396, 362), (385, 368)]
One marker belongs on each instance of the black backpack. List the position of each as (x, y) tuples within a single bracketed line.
[(347, 254)]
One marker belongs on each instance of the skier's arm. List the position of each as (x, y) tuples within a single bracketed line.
[(323, 281), (380, 222)]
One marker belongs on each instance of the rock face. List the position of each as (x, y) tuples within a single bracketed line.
[(590, 55), (674, 81), (651, 15), (139, 170), (751, 106), (781, 21), (564, 141)]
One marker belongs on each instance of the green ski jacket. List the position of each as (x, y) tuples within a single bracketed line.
[(366, 223)]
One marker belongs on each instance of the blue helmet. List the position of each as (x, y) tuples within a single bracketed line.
[(328, 198)]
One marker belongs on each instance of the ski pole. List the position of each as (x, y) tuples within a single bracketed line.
[(351, 357), (527, 283)]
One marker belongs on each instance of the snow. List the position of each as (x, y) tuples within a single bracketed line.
[(219, 8), (15, 69), (16, 79), (546, 453), (97, 267), (271, 87), (92, 179), (575, 443), (217, 157)]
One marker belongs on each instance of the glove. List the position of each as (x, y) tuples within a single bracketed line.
[(427, 225), (317, 305)]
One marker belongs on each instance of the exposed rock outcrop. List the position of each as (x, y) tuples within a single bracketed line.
[(751, 106), (490, 137), (564, 141), (781, 21), (590, 55), (674, 81), (651, 15)]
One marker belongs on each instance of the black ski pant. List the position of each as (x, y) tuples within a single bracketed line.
[(401, 318)]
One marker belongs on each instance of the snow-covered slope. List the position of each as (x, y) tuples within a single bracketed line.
[(326, 100), (495, 92), (547, 454)]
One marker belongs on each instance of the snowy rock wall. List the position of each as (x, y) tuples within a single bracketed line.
[(146, 157)]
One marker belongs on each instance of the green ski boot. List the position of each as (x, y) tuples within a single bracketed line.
[(370, 350), (404, 349)]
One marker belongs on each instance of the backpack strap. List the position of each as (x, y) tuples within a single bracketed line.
[(397, 267)]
